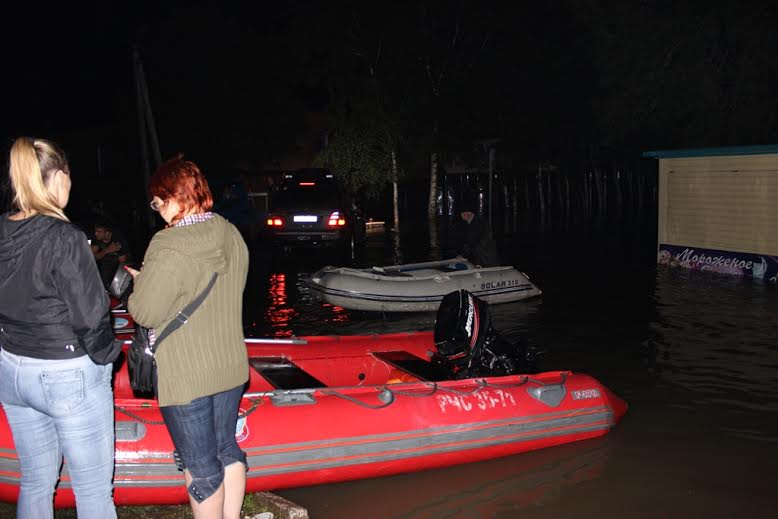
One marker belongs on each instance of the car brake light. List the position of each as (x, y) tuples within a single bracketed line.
[(275, 222), (336, 220), (307, 183)]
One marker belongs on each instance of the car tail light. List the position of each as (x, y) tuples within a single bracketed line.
[(336, 220), (274, 221), (307, 184)]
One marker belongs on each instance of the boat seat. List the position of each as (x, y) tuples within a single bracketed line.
[(284, 374), (390, 273), (453, 267), (419, 368), (422, 273)]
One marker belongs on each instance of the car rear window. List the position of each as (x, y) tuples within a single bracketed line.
[(291, 196)]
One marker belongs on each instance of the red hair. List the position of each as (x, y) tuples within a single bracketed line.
[(182, 181)]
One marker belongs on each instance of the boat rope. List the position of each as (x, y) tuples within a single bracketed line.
[(525, 379), (255, 403), (138, 417), (387, 395), (388, 392), (481, 384), (432, 385)]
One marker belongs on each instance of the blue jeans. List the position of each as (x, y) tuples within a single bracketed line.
[(203, 432), (56, 408)]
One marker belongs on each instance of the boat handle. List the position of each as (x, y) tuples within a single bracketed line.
[(562, 376), (281, 398), (550, 394), (127, 431)]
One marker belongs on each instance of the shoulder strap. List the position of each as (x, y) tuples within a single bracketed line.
[(183, 316)]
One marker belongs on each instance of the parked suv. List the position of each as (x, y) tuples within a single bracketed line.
[(310, 209)]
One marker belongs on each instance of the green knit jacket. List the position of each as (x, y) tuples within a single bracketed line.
[(206, 355)]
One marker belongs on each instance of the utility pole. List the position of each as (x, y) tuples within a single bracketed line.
[(146, 130)]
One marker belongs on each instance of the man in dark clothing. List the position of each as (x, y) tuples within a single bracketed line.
[(109, 250), (479, 247)]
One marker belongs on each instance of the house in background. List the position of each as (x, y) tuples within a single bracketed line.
[(718, 209)]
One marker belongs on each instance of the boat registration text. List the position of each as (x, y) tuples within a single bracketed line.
[(500, 284)]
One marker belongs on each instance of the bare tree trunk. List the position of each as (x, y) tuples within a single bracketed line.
[(432, 206), (617, 182), (506, 224), (397, 254), (600, 195), (526, 194), (567, 203), (604, 194), (395, 192), (549, 199), (630, 190), (637, 182), (434, 253), (541, 199), (515, 205), (559, 197)]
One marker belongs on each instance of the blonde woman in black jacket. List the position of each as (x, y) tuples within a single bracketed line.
[(56, 342)]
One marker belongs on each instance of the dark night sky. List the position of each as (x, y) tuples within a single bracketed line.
[(229, 81)]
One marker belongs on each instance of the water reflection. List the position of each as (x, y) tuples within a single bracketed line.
[(484, 489), (715, 341), (279, 314)]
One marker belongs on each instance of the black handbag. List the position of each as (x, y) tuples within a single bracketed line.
[(140, 356)]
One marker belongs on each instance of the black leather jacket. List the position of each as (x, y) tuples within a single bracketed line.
[(52, 302)]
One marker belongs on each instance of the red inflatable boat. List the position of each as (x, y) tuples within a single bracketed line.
[(326, 409)]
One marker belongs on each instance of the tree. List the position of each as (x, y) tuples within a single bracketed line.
[(360, 157)]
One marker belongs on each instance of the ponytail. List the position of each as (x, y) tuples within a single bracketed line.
[(33, 163)]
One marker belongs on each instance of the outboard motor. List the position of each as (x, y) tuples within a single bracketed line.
[(465, 338)]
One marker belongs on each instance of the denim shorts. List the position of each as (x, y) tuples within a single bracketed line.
[(203, 433)]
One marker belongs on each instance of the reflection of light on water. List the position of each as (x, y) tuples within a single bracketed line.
[(291, 310), (339, 315), (279, 314)]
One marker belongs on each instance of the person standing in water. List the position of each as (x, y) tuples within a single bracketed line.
[(479, 247)]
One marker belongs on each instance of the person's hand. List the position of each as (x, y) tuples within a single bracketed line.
[(114, 247), (132, 271)]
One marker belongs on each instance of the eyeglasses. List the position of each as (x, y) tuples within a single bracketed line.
[(156, 206)]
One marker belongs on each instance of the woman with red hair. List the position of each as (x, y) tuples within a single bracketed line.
[(202, 366)]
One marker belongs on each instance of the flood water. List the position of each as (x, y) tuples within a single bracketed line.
[(694, 354)]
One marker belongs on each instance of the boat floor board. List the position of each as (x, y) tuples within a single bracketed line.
[(412, 364), (284, 374)]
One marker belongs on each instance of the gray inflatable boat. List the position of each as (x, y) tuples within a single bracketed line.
[(418, 287)]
